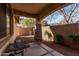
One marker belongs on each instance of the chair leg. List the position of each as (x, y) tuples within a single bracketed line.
[(15, 53)]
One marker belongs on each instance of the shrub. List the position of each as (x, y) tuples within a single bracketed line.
[(58, 38), (74, 38)]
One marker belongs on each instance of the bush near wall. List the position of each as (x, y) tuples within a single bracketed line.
[(65, 31)]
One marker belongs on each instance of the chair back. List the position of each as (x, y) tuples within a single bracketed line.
[(18, 42)]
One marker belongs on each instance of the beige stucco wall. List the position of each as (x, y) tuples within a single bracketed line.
[(45, 37)]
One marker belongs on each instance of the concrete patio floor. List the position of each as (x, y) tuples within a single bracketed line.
[(40, 50), (58, 48)]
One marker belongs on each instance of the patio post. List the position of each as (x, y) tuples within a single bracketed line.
[(38, 31)]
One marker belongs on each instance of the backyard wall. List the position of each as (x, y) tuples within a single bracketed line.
[(24, 31), (65, 31)]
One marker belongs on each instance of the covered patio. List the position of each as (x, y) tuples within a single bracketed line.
[(37, 42)]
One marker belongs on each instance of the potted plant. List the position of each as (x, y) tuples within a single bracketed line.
[(58, 38), (74, 38)]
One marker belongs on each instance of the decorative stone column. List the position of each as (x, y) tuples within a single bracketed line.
[(38, 31)]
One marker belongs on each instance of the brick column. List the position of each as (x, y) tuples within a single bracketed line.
[(38, 31)]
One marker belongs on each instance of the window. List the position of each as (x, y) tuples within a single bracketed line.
[(4, 20)]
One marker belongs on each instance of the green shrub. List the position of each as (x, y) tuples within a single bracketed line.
[(74, 38), (58, 38)]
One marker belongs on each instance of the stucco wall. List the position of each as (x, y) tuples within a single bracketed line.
[(45, 37), (24, 31)]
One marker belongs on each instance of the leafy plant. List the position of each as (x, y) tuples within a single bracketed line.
[(49, 34), (29, 22), (58, 38), (74, 37)]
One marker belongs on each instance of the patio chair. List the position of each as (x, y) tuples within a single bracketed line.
[(20, 44)]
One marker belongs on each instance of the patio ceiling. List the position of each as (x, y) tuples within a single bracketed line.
[(35, 9)]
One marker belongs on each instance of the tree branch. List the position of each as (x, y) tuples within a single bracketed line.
[(64, 14), (72, 12)]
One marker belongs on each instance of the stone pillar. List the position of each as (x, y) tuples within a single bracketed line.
[(38, 31)]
